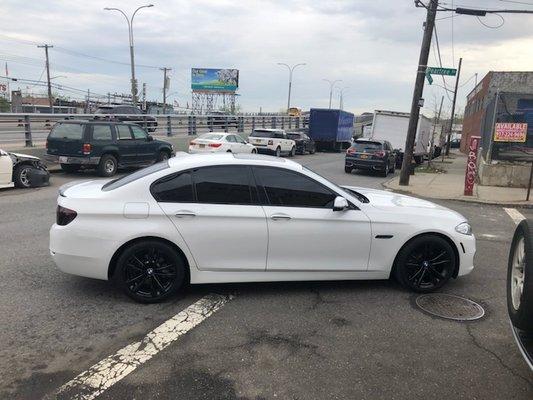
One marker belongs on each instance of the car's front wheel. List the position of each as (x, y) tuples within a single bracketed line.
[(425, 263), (163, 156), (21, 176), (520, 277), (149, 271), (108, 165)]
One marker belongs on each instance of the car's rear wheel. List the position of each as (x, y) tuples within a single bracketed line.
[(149, 271), (70, 167), (425, 263), (348, 170), (278, 152), (293, 152), (385, 172), (163, 156), (520, 277), (21, 176), (393, 168), (254, 151), (312, 150), (108, 165)]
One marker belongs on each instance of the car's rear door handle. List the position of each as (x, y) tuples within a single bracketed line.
[(276, 217), (185, 213)]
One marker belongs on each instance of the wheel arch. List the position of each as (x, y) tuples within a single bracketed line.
[(113, 152), (431, 233), (113, 262)]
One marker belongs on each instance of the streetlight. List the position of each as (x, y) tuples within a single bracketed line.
[(341, 97), (331, 84), (291, 69), (130, 32)]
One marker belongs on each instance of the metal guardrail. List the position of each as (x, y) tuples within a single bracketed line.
[(31, 129)]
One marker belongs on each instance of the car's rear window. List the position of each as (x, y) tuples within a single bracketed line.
[(261, 133), (367, 146), (293, 136), (211, 136), (67, 131), (104, 110), (141, 173)]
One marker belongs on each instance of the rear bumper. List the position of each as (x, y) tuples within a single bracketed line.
[(358, 163), (72, 160), (264, 149)]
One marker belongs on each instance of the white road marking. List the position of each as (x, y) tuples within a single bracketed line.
[(110, 370), (515, 215)]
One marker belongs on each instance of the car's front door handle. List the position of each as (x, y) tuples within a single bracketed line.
[(182, 214), (276, 217)]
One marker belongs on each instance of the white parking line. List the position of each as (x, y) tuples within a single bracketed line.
[(110, 370), (515, 215)]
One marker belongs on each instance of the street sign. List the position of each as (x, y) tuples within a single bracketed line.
[(439, 71)]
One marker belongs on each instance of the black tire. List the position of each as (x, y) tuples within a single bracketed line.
[(149, 271), (254, 151), (292, 152), (278, 152), (521, 308), (313, 150), (348, 170), (108, 165), (393, 169), (425, 263), (163, 155), (385, 172), (20, 176), (70, 168)]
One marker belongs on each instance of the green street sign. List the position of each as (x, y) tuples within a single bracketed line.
[(430, 79), (441, 71)]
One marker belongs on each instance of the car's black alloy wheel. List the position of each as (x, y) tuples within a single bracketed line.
[(425, 264), (149, 271), (21, 176)]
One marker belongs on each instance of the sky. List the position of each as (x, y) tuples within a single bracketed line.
[(371, 45)]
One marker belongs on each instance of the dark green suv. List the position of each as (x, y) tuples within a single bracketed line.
[(104, 145)]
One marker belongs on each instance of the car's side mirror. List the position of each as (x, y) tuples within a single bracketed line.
[(150, 138), (340, 204)]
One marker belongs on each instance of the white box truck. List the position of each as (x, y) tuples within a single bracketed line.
[(392, 126)]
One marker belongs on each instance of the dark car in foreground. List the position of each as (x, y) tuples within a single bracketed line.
[(374, 155), (103, 145), (127, 113), (304, 144)]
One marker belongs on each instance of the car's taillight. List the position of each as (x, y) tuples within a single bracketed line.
[(192, 143), (379, 153), (350, 150), (86, 148), (65, 216), (270, 142), (46, 145), (215, 144)]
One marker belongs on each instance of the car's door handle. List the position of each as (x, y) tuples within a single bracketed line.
[(185, 213), (276, 217)]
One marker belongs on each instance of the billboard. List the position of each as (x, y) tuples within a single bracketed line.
[(215, 79), (510, 132)]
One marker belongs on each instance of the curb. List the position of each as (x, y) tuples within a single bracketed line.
[(473, 201)]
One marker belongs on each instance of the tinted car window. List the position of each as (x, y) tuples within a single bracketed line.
[(294, 136), (123, 131), (102, 132), (367, 146), (141, 173), (231, 138), (175, 188), (67, 131), (227, 184), (104, 110), (138, 133), (262, 133), (291, 189), (278, 135)]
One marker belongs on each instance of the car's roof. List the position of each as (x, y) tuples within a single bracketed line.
[(267, 130), (185, 160), (368, 140), (94, 121)]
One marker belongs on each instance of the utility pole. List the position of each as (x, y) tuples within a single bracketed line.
[(417, 93), (88, 104), (452, 116), (331, 85), (165, 86), (432, 141), (144, 97), (50, 100)]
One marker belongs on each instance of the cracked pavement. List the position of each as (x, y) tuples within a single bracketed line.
[(334, 340)]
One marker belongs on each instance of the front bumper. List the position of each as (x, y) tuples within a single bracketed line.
[(72, 160), (39, 177), (358, 163)]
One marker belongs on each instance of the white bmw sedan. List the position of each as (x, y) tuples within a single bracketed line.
[(250, 218), (217, 142)]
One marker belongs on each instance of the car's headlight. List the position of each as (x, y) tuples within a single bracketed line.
[(464, 228)]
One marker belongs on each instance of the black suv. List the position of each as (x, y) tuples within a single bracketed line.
[(128, 113), (376, 155), (104, 145), (303, 142)]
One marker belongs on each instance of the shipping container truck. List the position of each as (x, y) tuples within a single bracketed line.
[(392, 126), (330, 129)]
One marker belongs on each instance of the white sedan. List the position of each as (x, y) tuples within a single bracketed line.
[(215, 219), (217, 142)]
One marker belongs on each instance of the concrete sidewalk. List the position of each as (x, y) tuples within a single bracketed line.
[(450, 185)]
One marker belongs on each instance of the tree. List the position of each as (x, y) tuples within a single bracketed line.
[(5, 106)]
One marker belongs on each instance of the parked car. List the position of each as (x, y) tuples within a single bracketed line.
[(216, 142), (220, 119), (215, 219), (375, 155), (22, 171), (304, 144), (520, 288), (104, 145), (455, 143), (272, 141), (128, 113)]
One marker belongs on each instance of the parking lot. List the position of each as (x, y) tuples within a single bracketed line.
[(306, 340)]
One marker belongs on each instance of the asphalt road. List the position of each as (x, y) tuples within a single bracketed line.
[(321, 340)]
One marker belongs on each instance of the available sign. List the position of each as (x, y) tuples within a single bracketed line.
[(510, 132)]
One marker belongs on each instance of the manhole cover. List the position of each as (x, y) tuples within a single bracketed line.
[(450, 306)]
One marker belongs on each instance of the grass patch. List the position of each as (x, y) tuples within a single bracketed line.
[(425, 169)]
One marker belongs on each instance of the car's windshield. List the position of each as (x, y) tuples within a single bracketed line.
[(263, 133), (211, 136), (367, 146), (359, 196), (67, 131)]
